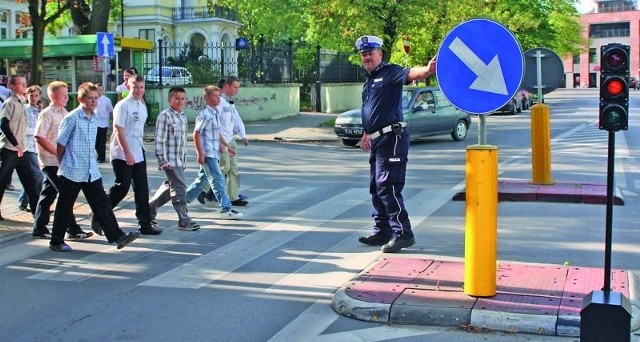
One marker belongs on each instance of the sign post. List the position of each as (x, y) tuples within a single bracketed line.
[(543, 74), (479, 69), (106, 49)]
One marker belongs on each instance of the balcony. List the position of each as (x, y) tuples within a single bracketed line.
[(203, 12)]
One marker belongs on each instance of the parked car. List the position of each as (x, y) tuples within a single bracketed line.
[(171, 75), (512, 107), (426, 111), (633, 83)]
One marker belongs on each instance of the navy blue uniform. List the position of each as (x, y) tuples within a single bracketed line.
[(381, 107)]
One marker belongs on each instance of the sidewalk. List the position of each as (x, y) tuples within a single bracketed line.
[(305, 127)]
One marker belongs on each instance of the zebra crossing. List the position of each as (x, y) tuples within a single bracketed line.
[(263, 237), (96, 259)]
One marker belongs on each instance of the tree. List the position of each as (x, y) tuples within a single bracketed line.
[(89, 18), (335, 24), (38, 11)]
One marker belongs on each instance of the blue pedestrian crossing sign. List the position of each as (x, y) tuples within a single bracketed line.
[(106, 45), (480, 66)]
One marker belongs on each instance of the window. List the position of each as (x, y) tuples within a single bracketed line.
[(23, 24), (616, 6), (149, 34), (609, 30), (593, 56), (576, 59), (4, 19)]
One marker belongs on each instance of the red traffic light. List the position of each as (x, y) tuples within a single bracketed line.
[(615, 87)]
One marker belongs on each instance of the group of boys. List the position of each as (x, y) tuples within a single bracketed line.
[(66, 146)]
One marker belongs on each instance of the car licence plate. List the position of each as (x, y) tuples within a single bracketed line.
[(355, 131)]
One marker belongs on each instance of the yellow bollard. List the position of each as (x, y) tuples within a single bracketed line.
[(540, 145), (481, 226)]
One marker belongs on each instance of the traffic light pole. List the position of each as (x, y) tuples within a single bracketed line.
[(606, 314), (609, 215)]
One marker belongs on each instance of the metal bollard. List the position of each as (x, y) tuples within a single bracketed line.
[(481, 221), (540, 145)]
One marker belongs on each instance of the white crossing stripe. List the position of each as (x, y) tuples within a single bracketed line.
[(107, 258), (21, 251), (216, 264), (322, 275)]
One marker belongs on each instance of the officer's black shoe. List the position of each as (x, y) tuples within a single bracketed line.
[(396, 244), (374, 240)]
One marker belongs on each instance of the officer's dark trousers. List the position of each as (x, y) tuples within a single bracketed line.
[(388, 164)]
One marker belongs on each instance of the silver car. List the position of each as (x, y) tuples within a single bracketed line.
[(171, 75), (426, 111)]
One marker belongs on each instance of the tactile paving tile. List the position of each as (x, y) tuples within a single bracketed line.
[(441, 275), (435, 298), (531, 280), (375, 292), (385, 280), (406, 266), (560, 192), (516, 190), (583, 280), (597, 194)]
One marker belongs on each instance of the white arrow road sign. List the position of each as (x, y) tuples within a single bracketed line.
[(105, 46), (490, 77)]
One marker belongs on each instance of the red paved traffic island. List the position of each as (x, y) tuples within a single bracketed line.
[(521, 190), (530, 298)]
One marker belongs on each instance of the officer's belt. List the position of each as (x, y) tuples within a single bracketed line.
[(385, 130)]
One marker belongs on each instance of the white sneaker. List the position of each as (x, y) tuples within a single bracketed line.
[(230, 215)]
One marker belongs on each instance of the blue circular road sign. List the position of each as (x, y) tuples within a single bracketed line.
[(480, 66)]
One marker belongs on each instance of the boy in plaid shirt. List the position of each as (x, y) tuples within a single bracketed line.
[(171, 139)]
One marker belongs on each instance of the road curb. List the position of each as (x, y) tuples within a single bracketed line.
[(344, 305), (515, 322), (634, 298)]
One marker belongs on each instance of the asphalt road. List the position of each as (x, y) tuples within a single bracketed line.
[(272, 275)]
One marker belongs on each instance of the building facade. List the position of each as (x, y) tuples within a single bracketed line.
[(179, 23), (613, 21)]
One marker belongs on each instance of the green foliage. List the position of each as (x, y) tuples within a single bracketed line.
[(335, 24)]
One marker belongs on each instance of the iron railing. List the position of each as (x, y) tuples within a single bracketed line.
[(203, 12)]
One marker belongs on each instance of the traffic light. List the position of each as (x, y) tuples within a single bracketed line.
[(614, 88)]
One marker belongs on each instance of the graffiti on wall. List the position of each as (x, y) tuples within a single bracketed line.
[(198, 103), (255, 101)]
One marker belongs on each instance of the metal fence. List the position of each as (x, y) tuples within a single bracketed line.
[(260, 62)]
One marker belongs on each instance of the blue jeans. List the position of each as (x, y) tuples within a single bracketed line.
[(210, 171), (32, 159)]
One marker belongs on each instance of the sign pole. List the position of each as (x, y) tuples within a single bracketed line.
[(482, 130), (539, 85), (540, 127), (105, 69), (480, 68)]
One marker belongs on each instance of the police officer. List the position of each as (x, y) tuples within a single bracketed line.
[(386, 137)]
